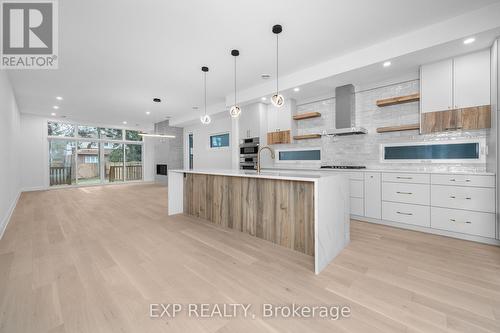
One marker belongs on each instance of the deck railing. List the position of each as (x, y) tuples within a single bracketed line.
[(60, 176), (132, 172)]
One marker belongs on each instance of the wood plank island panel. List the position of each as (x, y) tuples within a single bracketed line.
[(279, 211)]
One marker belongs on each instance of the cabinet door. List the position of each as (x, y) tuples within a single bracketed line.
[(476, 118), (436, 86), (373, 199), (471, 80)]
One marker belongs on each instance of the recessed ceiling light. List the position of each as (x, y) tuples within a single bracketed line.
[(53, 114), (265, 76), (59, 98), (469, 40), (55, 107), (148, 113), (296, 89), (124, 123), (264, 98), (387, 64), (195, 107), (156, 100)]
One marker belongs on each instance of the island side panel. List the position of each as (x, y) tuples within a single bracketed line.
[(332, 221), (175, 193), (280, 211)]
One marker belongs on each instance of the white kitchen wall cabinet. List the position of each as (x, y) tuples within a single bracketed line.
[(280, 119), (373, 206), (471, 80), (456, 83), (436, 86), (250, 120)]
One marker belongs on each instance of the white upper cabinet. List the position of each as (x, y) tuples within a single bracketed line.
[(436, 88), (471, 80), (456, 83), (250, 120), (280, 119)]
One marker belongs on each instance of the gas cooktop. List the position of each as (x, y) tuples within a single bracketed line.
[(343, 167)]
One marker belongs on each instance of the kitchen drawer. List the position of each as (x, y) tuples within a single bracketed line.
[(357, 207), (460, 197), (405, 213), (406, 193), (465, 222), (356, 175), (356, 188), (463, 180), (417, 178)]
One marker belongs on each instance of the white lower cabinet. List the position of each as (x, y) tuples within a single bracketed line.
[(373, 195), (406, 213), (463, 221), (461, 197), (357, 206), (406, 193)]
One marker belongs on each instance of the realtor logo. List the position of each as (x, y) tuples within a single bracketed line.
[(29, 34)]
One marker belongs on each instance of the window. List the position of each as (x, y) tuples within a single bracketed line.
[(132, 135), (89, 159), (81, 154), (219, 140), (61, 129), (436, 152), (88, 132), (300, 155), (111, 133)]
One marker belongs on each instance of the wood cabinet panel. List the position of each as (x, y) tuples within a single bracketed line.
[(278, 137), (280, 211), (467, 119)]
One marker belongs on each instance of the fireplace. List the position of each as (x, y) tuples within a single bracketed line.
[(161, 169)]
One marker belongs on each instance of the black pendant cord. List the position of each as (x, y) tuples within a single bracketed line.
[(234, 81), (205, 86), (277, 62)]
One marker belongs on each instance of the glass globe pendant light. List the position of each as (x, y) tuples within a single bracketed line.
[(235, 109), (277, 99), (205, 119)]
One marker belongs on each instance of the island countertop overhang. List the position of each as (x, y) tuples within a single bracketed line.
[(298, 176)]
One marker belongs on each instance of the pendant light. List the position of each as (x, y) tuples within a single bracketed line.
[(205, 119), (277, 99), (235, 109)]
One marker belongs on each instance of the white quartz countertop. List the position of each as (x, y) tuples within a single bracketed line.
[(317, 169), (297, 175)]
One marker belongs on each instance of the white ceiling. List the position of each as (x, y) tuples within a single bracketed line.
[(116, 55)]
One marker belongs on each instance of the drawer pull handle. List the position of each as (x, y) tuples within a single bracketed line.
[(401, 213), (454, 180), (454, 197), (399, 177), (453, 220), (404, 192)]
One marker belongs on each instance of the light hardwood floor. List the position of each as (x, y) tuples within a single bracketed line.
[(93, 259)]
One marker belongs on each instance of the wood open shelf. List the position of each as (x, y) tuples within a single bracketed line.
[(307, 136), (398, 100), (400, 128), (306, 115)]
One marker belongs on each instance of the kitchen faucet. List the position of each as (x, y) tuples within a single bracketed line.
[(258, 155)]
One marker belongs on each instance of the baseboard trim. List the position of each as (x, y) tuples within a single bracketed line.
[(6, 219), (472, 238)]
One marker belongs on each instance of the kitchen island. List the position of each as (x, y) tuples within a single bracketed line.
[(303, 212)]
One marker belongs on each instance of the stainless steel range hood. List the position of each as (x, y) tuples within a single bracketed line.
[(345, 112)]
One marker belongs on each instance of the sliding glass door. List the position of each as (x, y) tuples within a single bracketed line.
[(113, 162), (87, 163), (62, 162)]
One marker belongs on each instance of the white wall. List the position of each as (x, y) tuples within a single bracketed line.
[(204, 156), (35, 150), (9, 138)]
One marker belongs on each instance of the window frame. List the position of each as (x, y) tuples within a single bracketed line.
[(210, 135), (307, 162)]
